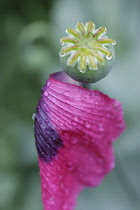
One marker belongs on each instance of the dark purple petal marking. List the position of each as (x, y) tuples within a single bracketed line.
[(48, 141)]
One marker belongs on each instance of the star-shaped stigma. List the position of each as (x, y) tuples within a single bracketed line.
[(86, 46)]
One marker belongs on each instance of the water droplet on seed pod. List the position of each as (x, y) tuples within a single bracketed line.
[(61, 42), (62, 54), (114, 42), (109, 57)]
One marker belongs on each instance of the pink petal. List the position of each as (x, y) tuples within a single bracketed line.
[(74, 130)]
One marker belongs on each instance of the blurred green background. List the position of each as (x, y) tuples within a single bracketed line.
[(29, 46)]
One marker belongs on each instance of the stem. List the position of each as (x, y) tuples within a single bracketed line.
[(87, 86)]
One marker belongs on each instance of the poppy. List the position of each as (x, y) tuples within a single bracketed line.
[(74, 129)]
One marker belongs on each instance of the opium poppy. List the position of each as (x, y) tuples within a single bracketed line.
[(75, 127)]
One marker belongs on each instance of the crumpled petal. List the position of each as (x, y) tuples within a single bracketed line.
[(74, 131)]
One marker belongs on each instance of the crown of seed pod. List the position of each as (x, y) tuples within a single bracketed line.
[(87, 54)]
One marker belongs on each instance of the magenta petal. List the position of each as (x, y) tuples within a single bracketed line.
[(74, 130)]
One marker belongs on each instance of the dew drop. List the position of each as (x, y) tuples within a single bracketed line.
[(86, 156), (112, 165), (67, 101), (114, 42), (84, 99), (75, 118), (46, 120), (101, 128), (66, 30), (70, 166), (99, 171), (82, 70), (74, 123), (62, 54), (74, 140), (105, 30), (46, 93), (48, 83), (62, 186), (51, 200), (66, 93), (66, 206), (109, 57), (60, 176), (61, 42), (54, 99), (87, 125), (61, 124), (33, 116), (115, 105)]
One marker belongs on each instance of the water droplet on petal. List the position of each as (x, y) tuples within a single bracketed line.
[(62, 185), (54, 99), (99, 171), (74, 140), (74, 123), (33, 116), (87, 125), (101, 128), (65, 206), (46, 93), (75, 118), (62, 54), (51, 200), (46, 120), (114, 42), (66, 93), (60, 176), (70, 166), (68, 101), (112, 165), (48, 83)]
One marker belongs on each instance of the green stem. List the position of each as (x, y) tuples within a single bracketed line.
[(87, 86)]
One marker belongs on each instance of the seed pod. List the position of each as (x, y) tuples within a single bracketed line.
[(87, 55)]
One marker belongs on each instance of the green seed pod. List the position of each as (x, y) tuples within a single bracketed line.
[(87, 54)]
